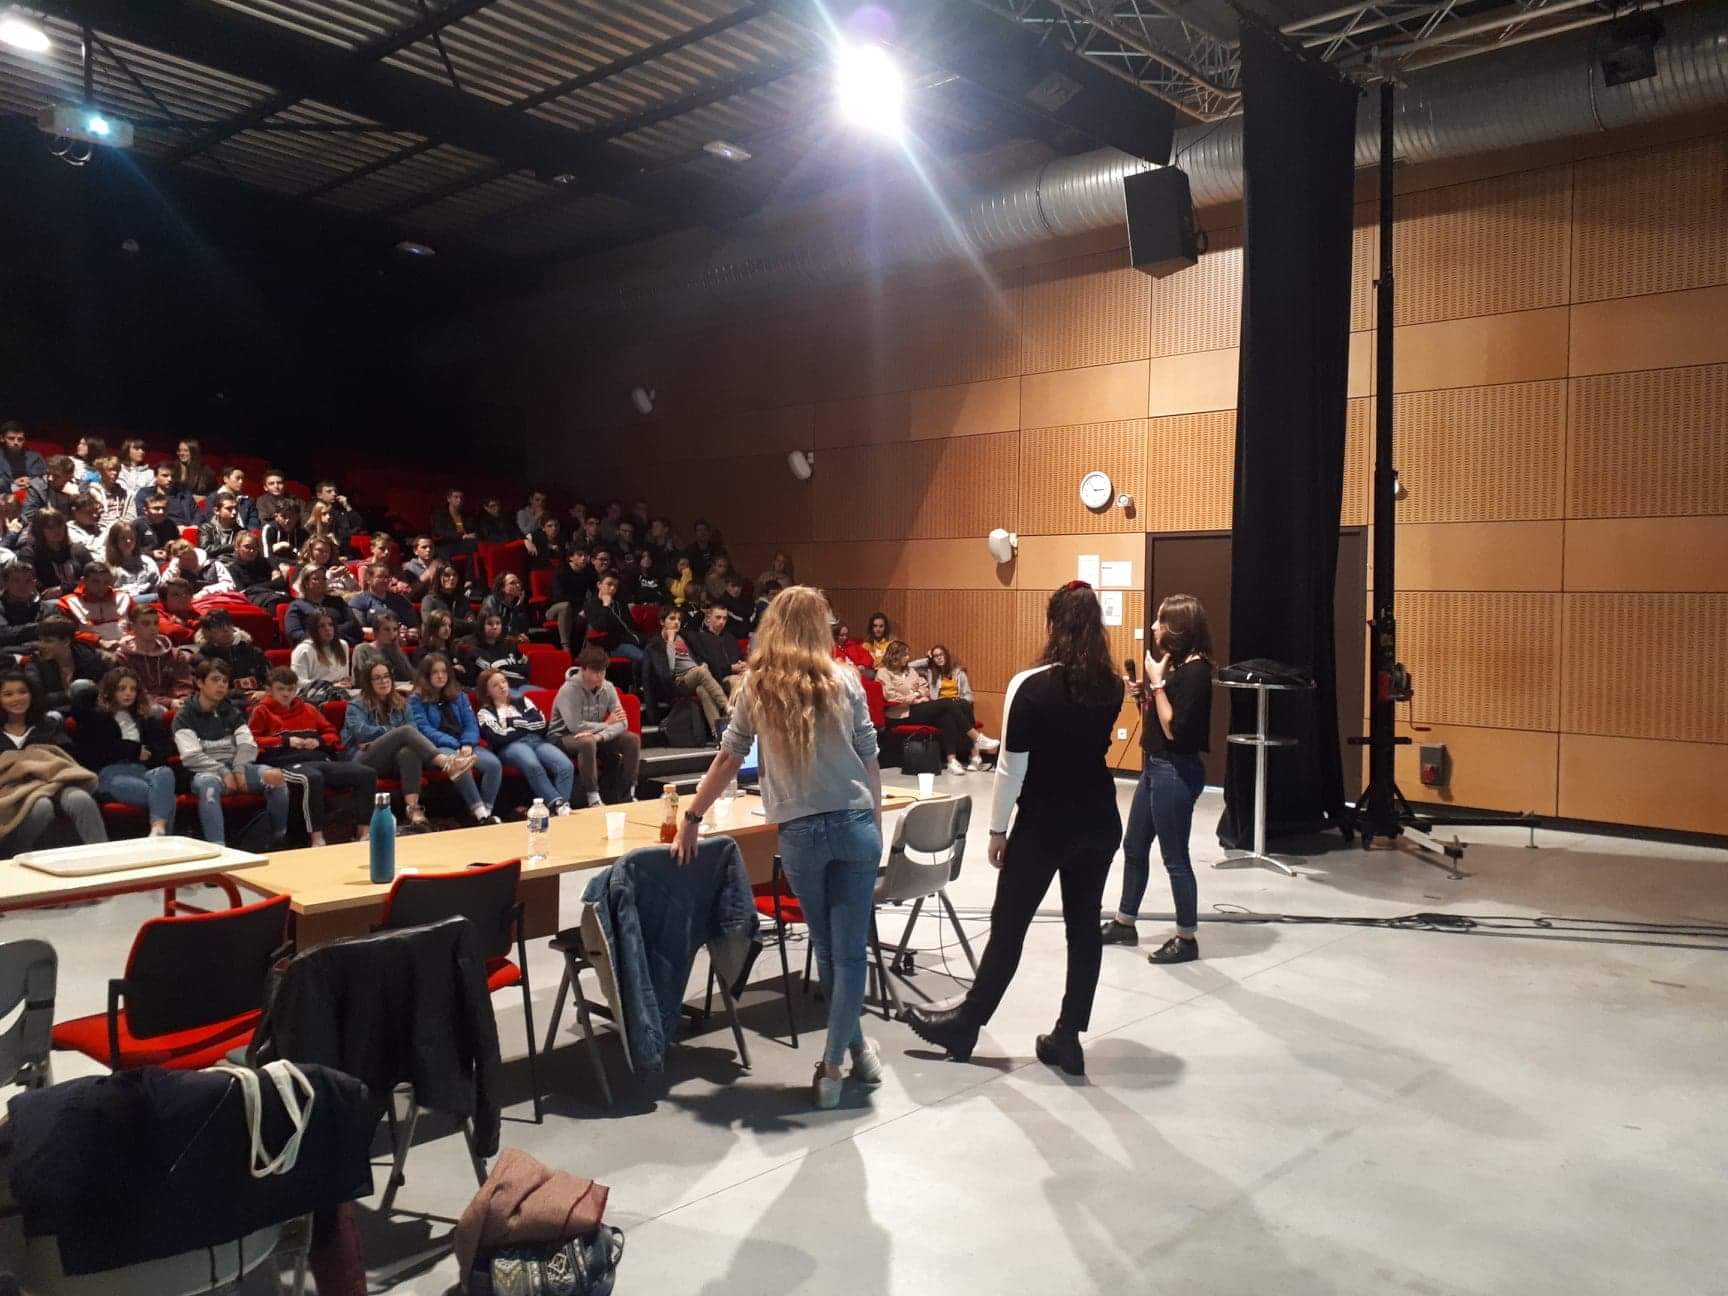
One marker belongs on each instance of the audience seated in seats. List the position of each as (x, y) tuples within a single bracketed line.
[(262, 582), (61, 662), (155, 529), (602, 560), (637, 515), (880, 635), (233, 483), (49, 551), (779, 570), (421, 568), (323, 660), (379, 733), (134, 572), (135, 471), (203, 575), (546, 544), (609, 619), (343, 518), (12, 531), (127, 743), (947, 680), (766, 593), (115, 504), (275, 498), (907, 694), (379, 597), (628, 541), (449, 594), (589, 723), (190, 470), (492, 526), (39, 780), (452, 528), (436, 636), (716, 647), (220, 755), (848, 649), (572, 587), (179, 615), (683, 589), (182, 507), (20, 609), (381, 548), (165, 671), (312, 594), (704, 548), (384, 649), (219, 639), (740, 611), (320, 551), (714, 583), (590, 533), (85, 451), (671, 662), (294, 736), (609, 520), (97, 606), (577, 517), (216, 536), (528, 516), (20, 462), (284, 532), (84, 523), (441, 712), (659, 540), (53, 489), (491, 648), (644, 584), (509, 602), (514, 728)]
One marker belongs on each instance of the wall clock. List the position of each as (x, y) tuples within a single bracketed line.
[(1096, 491)]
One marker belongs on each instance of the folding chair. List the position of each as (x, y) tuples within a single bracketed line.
[(932, 828), (29, 972)]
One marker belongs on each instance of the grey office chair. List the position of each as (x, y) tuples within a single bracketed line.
[(937, 830), (29, 971)]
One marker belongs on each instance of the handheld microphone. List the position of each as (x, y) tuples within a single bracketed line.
[(1128, 666)]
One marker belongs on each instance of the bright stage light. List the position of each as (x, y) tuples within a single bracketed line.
[(870, 88), (98, 125), (23, 33)]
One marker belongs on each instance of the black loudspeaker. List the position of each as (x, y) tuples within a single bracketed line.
[(1161, 234)]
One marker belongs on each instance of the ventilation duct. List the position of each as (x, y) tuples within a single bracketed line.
[(1548, 90)]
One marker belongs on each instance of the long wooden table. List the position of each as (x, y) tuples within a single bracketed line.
[(332, 895), (22, 887)]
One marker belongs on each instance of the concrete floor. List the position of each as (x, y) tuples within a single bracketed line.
[(1309, 1109)]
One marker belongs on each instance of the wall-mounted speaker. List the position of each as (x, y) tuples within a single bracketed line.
[(1162, 237)]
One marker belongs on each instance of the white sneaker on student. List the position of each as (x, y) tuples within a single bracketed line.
[(824, 1092), (955, 767), (593, 799), (983, 744), (976, 764), (867, 1064)]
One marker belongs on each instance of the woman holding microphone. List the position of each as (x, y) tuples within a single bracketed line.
[(821, 786), (1056, 725)]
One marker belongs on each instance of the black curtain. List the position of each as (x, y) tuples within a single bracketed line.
[(1299, 131)]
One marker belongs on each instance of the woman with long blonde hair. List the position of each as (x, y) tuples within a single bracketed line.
[(823, 789)]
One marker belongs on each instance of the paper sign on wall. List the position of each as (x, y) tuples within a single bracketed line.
[(1116, 575), (1086, 569), (1110, 604)]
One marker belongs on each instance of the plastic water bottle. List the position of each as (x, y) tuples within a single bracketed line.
[(539, 827), (381, 837)]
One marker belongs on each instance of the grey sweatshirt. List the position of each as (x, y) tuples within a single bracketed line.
[(838, 776), (575, 710)]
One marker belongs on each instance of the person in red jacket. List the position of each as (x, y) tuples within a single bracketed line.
[(98, 608), (298, 739), (848, 649)]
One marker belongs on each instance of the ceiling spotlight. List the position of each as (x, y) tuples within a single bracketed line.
[(870, 88), (408, 247), (730, 152), (24, 33), (98, 125)]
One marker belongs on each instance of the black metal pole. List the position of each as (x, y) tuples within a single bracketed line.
[(1382, 808)]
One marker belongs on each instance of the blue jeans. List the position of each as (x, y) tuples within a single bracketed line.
[(488, 771), (549, 772), (207, 787), (830, 862), (1163, 807), (134, 785)]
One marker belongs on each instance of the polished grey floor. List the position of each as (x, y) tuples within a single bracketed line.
[(1311, 1108)]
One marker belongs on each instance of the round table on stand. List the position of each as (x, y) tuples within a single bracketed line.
[(1262, 742)]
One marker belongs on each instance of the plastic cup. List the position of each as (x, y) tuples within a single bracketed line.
[(615, 823), (926, 786)]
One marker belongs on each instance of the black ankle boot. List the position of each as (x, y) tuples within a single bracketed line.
[(944, 1027), (1061, 1048), (1178, 949)]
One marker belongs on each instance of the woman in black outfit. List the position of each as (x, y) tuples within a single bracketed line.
[(1175, 725), (1056, 727)]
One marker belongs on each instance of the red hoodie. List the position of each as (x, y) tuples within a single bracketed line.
[(102, 619), (272, 725)]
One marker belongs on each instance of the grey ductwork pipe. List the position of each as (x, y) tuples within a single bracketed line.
[(1549, 90)]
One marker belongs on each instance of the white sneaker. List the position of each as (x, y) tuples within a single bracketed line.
[(593, 799), (983, 744), (824, 1092), (976, 764), (867, 1064), (955, 767)]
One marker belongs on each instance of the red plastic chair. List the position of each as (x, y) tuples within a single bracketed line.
[(775, 902), (547, 665), (647, 618), (278, 656), (193, 990), (189, 535), (540, 585), (502, 558)]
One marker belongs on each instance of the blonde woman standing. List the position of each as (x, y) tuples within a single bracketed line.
[(823, 789)]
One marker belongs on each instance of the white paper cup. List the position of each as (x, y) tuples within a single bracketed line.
[(926, 785), (615, 823)]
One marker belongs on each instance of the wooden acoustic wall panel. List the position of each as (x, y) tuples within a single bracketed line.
[(975, 625), (1642, 781), (964, 331), (1485, 248), (861, 420), (1482, 454), (856, 606), (1521, 347), (1658, 331), (1030, 628), (868, 492), (1653, 443), (1045, 561), (1200, 308), (1651, 221), (753, 498), (1357, 506), (1673, 689), (968, 409), (1479, 555), (1053, 460), (1190, 473), (962, 486), (1088, 311), (1195, 382), (1097, 395), (1483, 659), (1364, 265), (1647, 555), (904, 564), (1491, 769)]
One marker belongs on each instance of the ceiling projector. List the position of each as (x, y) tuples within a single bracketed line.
[(86, 125)]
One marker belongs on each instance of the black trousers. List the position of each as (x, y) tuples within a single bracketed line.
[(1079, 853), (315, 776), (953, 716)]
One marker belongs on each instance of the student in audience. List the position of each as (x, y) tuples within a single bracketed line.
[(493, 527), (344, 518), (572, 586), (740, 611), (115, 504), (318, 524), (602, 560), (204, 575), (97, 606), (716, 647), (578, 516), (878, 637), (62, 663), (849, 650), (381, 548), (84, 522), (644, 585), (11, 527), (20, 608), (128, 746), (492, 648), (319, 553), (385, 647), (262, 582), (39, 787), (714, 583), (218, 751), (233, 482), (134, 572), (379, 597), (591, 533), (514, 728), (609, 520), (766, 593), (441, 712), (908, 698), (419, 568), (682, 588), (155, 529), (275, 496), (607, 616), (436, 637), (673, 663), (379, 733), (590, 724), (546, 546), (182, 507), (313, 595), (779, 570), (284, 532), (528, 516), (20, 463), (219, 639), (947, 681), (452, 527), (54, 489), (509, 601), (704, 548), (216, 537), (626, 543), (449, 596), (135, 473), (164, 671), (663, 543), (297, 738), (180, 617), (323, 660), (49, 550), (190, 470), (85, 451)]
